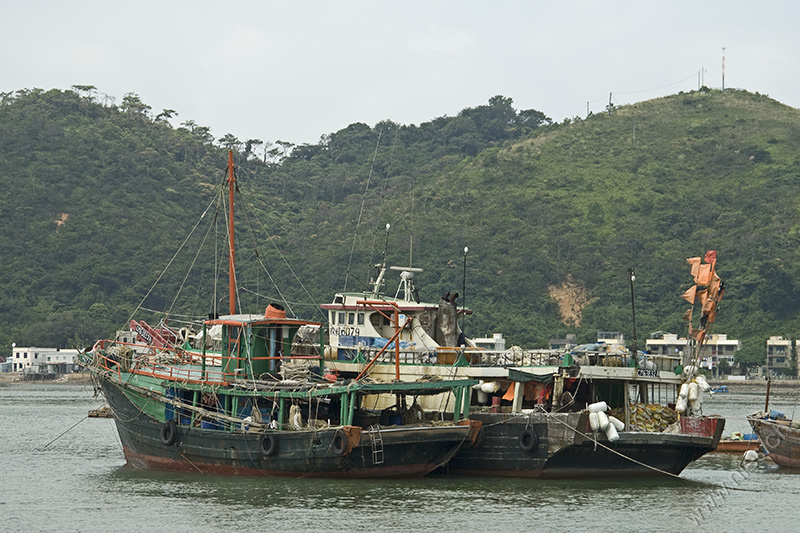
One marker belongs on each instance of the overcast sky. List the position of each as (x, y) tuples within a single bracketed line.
[(294, 70)]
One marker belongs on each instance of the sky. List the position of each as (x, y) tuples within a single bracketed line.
[(296, 70)]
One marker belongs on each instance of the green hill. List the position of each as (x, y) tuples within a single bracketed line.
[(96, 200)]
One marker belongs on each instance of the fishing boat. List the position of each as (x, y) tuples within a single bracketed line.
[(249, 394), (535, 405), (779, 435)]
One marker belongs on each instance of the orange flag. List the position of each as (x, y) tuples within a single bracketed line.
[(689, 295), (713, 287), (687, 316), (509, 395), (702, 296), (703, 276), (711, 256), (695, 264)]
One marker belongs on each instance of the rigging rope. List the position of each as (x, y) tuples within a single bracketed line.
[(361, 212), (382, 195), (127, 322)]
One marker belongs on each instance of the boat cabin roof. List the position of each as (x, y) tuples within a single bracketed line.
[(258, 320)]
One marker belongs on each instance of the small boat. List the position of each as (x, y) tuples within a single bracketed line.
[(102, 412), (719, 388), (738, 443), (249, 394)]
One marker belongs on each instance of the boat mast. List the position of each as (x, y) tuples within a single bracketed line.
[(231, 252)]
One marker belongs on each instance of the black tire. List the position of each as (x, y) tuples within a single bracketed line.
[(339, 442), (169, 433), (528, 440), (268, 444)]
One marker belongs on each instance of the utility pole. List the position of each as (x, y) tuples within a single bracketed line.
[(464, 291), (632, 277), (723, 68)]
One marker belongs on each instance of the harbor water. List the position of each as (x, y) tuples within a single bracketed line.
[(62, 471)]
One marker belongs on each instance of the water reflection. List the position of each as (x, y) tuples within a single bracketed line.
[(82, 477)]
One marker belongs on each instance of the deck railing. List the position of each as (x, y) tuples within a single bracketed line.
[(174, 363)]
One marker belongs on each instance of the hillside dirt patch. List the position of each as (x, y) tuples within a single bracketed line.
[(571, 296)]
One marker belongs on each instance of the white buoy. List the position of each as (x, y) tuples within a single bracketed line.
[(593, 422), (490, 387), (680, 405), (684, 392), (617, 423), (602, 421), (598, 407), (611, 433), (694, 392), (702, 383), (751, 455)]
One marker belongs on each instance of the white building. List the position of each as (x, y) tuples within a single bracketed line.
[(779, 357), (43, 360), (722, 349), (663, 343), (611, 338), (717, 347), (494, 343)]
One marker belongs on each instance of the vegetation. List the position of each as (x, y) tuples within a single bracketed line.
[(97, 198)]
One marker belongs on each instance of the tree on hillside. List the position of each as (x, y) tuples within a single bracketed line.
[(132, 104)]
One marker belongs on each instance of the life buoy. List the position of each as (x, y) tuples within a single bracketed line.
[(528, 440), (773, 440), (169, 433), (339, 442), (268, 444)]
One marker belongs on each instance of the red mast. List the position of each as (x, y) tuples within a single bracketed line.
[(231, 252)]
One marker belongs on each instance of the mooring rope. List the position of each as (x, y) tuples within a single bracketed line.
[(676, 476), (67, 431)]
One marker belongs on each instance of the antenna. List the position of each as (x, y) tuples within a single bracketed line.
[(723, 68)]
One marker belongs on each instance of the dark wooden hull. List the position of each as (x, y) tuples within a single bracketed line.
[(780, 440), (564, 449), (399, 451)]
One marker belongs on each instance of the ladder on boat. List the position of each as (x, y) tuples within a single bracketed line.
[(377, 444)]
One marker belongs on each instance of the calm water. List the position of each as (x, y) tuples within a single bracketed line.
[(80, 483)]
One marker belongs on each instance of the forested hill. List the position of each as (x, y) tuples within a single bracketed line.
[(96, 199)]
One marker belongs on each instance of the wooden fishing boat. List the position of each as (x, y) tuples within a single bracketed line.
[(253, 398), (533, 404), (780, 438), (779, 435)]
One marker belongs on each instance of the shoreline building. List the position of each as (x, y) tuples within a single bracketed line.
[(36, 360), (779, 357), (716, 349)]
